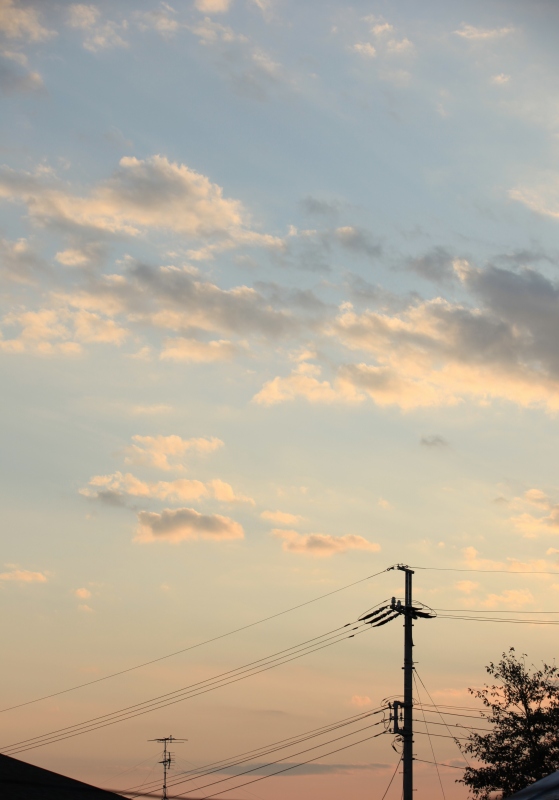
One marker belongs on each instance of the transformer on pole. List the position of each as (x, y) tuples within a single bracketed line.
[(381, 616)]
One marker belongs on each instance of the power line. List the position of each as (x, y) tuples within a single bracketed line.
[(430, 742), (287, 769), (498, 619), (494, 611), (277, 761), (494, 571), (437, 763), (258, 752), (163, 701), (194, 646), (392, 778)]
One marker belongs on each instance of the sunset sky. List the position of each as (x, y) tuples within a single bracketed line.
[(280, 308)]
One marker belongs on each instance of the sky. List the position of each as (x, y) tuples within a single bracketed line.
[(280, 308)]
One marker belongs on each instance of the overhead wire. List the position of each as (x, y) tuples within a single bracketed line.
[(194, 646), (271, 763), (392, 778), (442, 718), (282, 744), (185, 693), (429, 736)]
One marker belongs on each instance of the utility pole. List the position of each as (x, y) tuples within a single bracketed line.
[(167, 759), (407, 733), (381, 616)]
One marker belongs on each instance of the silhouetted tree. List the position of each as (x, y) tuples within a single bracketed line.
[(523, 744)]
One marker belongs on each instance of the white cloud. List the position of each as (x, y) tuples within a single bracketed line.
[(186, 524), (543, 197), (399, 47), (281, 517), (153, 192), (500, 80), (323, 545), (365, 49), (98, 35), (113, 488), (15, 75), (23, 576), (361, 701), (467, 587), (21, 23), (194, 351), (472, 33), (155, 451), (305, 382), (510, 598), (213, 6)]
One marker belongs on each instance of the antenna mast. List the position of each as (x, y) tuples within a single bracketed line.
[(167, 759)]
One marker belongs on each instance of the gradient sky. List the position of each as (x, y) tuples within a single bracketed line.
[(280, 307)]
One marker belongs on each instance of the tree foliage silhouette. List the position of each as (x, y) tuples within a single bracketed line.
[(522, 707)]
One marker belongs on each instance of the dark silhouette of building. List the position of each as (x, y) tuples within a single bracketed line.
[(22, 781)]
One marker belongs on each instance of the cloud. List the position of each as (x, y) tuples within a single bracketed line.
[(185, 524), (113, 489), (23, 576), (433, 440), (510, 598), (83, 594), (365, 49), (142, 193), (100, 35), (155, 451), (85, 609), (500, 80), (542, 198), (18, 262), (213, 6), (437, 265), (59, 331), (281, 517), (194, 351), (360, 701), (15, 75), (472, 33), (543, 521), (466, 587), (251, 71), (304, 381), (323, 545), (21, 23)]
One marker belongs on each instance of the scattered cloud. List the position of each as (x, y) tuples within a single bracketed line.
[(472, 33), (185, 524), (510, 598), (83, 594), (213, 6), (155, 451), (365, 49), (466, 587), (99, 34), (384, 504), (15, 75), (323, 545), (153, 192), (539, 514), (16, 575), (17, 22), (361, 701), (194, 351), (433, 440), (85, 609), (114, 489), (500, 80), (281, 517)]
